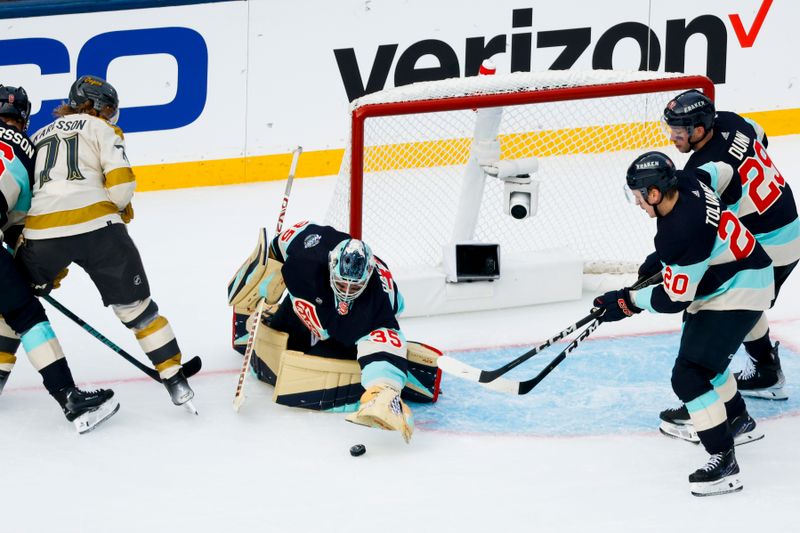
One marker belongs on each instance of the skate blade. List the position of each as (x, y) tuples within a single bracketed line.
[(189, 406), (725, 485), (777, 394), (747, 438), (684, 433), (88, 421)]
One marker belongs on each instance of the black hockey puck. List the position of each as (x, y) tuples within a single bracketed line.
[(357, 449)]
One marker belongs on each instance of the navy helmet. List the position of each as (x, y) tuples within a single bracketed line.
[(651, 169), (14, 103), (689, 110)]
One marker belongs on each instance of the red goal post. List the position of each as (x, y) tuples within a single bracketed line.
[(398, 185)]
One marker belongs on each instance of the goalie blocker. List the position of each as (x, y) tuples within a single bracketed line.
[(334, 385)]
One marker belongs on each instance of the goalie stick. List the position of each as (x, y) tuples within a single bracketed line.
[(190, 367), (462, 370), (238, 397)]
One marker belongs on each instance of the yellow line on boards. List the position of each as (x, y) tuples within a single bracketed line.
[(410, 155)]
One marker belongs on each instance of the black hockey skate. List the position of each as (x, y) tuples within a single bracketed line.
[(180, 391), (759, 380), (675, 423), (3, 379), (87, 409), (720, 475)]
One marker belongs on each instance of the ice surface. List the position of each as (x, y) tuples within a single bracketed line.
[(579, 453)]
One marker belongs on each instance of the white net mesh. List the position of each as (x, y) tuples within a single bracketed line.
[(414, 165)]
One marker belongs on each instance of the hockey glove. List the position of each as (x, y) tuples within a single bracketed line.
[(59, 277), (127, 213), (650, 267), (615, 305)]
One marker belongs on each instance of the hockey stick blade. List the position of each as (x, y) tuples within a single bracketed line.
[(192, 366)]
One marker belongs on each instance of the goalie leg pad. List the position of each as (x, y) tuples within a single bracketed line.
[(317, 383), (423, 375), (269, 346)]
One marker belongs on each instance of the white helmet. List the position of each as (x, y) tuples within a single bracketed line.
[(350, 264)]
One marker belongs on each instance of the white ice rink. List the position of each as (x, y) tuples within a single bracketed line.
[(155, 468)]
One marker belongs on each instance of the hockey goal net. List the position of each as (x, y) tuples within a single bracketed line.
[(398, 187)]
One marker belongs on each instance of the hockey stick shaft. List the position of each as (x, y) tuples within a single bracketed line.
[(526, 386), (462, 370), (486, 377), (491, 375), (153, 373), (238, 397)]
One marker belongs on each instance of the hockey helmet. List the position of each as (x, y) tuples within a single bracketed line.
[(350, 264), (14, 103), (689, 110), (99, 92), (651, 169)]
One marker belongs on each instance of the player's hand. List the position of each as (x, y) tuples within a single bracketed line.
[(59, 277), (127, 213), (650, 267), (615, 305)]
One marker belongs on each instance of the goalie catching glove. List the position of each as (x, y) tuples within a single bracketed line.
[(615, 305)]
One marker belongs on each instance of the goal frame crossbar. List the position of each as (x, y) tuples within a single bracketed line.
[(361, 114)]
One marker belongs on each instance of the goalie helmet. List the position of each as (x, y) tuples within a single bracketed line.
[(99, 92), (14, 103), (690, 109), (652, 169), (350, 264)]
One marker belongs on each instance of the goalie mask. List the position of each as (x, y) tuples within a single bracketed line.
[(14, 104), (101, 93), (350, 264)]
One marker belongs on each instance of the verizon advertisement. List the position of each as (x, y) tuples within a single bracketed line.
[(280, 73)]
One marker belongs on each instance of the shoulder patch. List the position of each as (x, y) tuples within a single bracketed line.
[(312, 240)]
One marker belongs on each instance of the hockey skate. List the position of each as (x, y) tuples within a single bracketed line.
[(763, 380), (3, 379), (675, 423), (180, 391), (720, 475), (381, 407), (88, 409)]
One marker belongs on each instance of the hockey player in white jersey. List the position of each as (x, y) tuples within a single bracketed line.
[(78, 214), (23, 318)]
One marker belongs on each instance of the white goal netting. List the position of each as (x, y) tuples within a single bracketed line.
[(415, 151)]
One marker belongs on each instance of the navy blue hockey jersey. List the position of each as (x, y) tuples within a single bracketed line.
[(736, 165), (711, 261), (303, 249), (16, 174)]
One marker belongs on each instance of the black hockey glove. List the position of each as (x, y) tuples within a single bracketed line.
[(615, 305), (650, 267)]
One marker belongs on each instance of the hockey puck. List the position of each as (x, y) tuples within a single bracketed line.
[(357, 449)]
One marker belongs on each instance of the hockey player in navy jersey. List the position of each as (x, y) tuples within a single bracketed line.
[(23, 317), (717, 274), (732, 153), (340, 308)]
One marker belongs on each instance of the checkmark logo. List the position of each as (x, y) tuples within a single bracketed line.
[(748, 38)]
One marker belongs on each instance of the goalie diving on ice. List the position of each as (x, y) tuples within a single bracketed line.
[(333, 342)]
